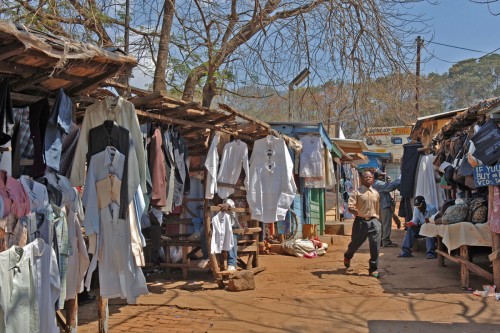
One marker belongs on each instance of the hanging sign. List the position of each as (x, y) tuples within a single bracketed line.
[(485, 175)]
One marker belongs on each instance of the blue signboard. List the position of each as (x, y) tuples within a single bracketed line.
[(485, 175)]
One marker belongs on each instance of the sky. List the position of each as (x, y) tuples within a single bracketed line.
[(459, 23)]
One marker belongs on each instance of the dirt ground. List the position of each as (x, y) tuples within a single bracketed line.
[(313, 295)]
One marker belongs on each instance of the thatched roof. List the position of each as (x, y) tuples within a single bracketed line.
[(37, 63), (467, 118)]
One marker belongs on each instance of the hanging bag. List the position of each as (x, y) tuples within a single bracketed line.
[(487, 143)]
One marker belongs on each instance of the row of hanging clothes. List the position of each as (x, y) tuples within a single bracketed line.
[(110, 162), (43, 257), (168, 163), (349, 181), (268, 175)]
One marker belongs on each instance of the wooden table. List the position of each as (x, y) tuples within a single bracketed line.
[(460, 236)]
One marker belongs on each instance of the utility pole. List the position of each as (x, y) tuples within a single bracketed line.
[(127, 45), (420, 42)]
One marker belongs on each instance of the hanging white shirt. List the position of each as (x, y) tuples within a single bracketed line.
[(18, 302), (311, 158), (78, 262), (272, 188), (45, 274), (222, 233), (212, 164), (234, 157)]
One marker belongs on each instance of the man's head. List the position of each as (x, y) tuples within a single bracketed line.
[(367, 178), (420, 203), (379, 176)]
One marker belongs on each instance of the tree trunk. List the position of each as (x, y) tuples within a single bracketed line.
[(190, 86), (209, 92), (160, 78)]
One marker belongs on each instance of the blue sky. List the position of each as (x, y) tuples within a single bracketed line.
[(458, 23)]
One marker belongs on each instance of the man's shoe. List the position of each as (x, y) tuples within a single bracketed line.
[(391, 244), (347, 262), (231, 268), (375, 274), (404, 255), (431, 256)]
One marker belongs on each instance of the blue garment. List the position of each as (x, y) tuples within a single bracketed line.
[(419, 217), (411, 233), (384, 189), (58, 123)]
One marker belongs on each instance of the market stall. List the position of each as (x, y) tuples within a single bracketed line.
[(43, 81), (317, 175), (462, 177)]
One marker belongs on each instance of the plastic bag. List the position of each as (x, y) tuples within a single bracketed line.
[(175, 254)]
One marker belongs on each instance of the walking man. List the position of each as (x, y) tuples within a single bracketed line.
[(384, 189), (364, 205)]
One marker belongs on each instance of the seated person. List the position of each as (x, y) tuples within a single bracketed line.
[(421, 214)]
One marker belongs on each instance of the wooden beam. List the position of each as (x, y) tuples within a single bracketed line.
[(495, 255), (102, 314), (135, 90), (91, 82), (464, 270), (13, 68), (144, 100), (236, 210), (11, 50), (171, 120), (472, 267), (244, 116), (24, 98)]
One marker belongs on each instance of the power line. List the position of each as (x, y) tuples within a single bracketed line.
[(457, 47)]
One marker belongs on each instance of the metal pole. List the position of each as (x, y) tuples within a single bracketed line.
[(290, 118)]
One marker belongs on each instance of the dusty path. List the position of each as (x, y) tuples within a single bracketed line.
[(313, 295)]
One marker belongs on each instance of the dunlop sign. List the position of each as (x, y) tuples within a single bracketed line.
[(485, 175)]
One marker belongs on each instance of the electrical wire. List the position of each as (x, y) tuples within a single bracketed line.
[(456, 47)]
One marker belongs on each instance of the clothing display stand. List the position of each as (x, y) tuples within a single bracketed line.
[(250, 247), (69, 323), (102, 314)]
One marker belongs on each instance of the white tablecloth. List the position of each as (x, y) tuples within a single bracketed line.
[(458, 234)]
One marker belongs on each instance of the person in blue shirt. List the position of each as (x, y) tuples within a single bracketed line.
[(386, 212), (422, 211)]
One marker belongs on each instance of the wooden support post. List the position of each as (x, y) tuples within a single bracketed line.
[(185, 261), (440, 247), (71, 307), (464, 271), (496, 261), (102, 314), (495, 246)]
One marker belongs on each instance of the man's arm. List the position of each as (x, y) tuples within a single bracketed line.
[(351, 204), (415, 220), (386, 187)]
